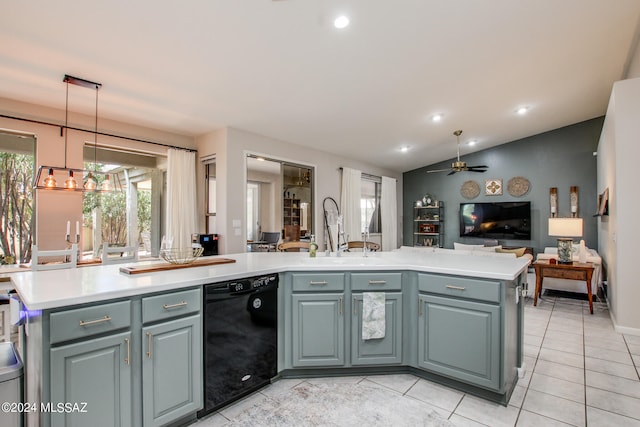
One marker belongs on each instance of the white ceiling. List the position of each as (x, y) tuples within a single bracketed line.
[(280, 69)]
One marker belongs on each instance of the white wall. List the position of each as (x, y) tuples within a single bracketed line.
[(239, 143), (618, 153)]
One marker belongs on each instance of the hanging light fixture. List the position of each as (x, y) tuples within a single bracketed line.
[(90, 181)]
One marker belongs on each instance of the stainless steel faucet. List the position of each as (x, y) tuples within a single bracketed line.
[(342, 247), (365, 249)]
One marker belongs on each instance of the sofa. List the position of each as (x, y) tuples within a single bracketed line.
[(566, 284)]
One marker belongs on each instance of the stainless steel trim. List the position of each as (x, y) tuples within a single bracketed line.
[(95, 322), (128, 357), (459, 288), (149, 341), (170, 306)]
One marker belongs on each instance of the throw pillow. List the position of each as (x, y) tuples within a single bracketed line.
[(518, 251), (463, 246)]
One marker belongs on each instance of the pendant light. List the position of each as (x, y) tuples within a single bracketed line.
[(50, 181), (90, 182)]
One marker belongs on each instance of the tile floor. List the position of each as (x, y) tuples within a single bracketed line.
[(579, 372)]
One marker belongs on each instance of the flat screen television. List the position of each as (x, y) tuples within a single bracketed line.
[(496, 220)]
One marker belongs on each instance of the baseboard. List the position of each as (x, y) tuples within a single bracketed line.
[(619, 328)]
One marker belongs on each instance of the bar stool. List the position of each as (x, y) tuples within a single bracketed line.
[(68, 258)]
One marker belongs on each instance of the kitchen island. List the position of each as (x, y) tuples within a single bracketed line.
[(454, 318)]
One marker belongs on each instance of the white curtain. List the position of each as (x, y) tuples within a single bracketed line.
[(350, 204), (181, 197), (389, 214)]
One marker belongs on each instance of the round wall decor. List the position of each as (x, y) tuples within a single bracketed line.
[(470, 189), (518, 186)]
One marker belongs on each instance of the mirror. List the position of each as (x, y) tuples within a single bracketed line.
[(279, 199)]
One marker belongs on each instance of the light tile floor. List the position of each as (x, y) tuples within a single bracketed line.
[(579, 372)]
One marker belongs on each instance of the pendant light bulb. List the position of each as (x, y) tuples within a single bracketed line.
[(50, 181), (106, 184), (70, 183), (90, 183)]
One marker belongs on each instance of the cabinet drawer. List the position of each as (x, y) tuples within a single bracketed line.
[(87, 321), (167, 306), (376, 281), (484, 290), (318, 282)]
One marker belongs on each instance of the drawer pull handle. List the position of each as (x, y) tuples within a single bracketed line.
[(458, 288), (377, 282), (170, 306), (149, 341), (95, 322), (128, 357), (321, 282)]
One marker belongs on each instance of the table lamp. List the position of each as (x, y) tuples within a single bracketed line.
[(568, 228)]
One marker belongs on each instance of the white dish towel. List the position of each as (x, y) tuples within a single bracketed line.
[(373, 315)]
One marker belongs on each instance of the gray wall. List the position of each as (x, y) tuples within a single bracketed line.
[(559, 158)]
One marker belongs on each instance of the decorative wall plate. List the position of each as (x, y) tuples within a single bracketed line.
[(470, 189), (518, 186), (493, 187)]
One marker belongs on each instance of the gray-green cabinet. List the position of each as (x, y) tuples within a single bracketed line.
[(387, 350), (171, 370), (460, 339), (318, 329), (459, 328), (96, 372), (136, 362)]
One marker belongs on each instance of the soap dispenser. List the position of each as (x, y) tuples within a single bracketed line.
[(313, 247)]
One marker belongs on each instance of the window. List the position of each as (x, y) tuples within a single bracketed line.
[(370, 203), (253, 211), (16, 197), (210, 192), (130, 216)]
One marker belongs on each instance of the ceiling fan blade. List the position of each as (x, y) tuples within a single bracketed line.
[(452, 172), (438, 170), (477, 170)]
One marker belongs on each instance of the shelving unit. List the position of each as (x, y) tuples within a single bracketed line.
[(428, 225), (291, 211), (291, 218)]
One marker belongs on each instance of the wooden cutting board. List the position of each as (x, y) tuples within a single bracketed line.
[(168, 266)]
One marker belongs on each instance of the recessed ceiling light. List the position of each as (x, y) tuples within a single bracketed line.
[(522, 110), (404, 149), (341, 22), (436, 117), (472, 142)]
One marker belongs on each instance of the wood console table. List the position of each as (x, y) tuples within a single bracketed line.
[(574, 271)]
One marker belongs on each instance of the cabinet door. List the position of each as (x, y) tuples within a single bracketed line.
[(460, 339), (171, 370), (385, 350), (97, 372), (318, 329)]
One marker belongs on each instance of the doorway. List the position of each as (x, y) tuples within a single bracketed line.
[(279, 199)]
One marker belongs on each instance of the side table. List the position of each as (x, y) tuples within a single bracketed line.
[(574, 271)]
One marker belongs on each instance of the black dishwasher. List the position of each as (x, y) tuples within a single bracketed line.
[(240, 338)]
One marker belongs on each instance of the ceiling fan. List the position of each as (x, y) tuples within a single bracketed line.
[(460, 166)]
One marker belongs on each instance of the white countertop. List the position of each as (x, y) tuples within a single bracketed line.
[(40, 290)]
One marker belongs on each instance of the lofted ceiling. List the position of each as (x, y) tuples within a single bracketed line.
[(281, 69)]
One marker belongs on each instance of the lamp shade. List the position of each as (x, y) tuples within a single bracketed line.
[(565, 227)]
